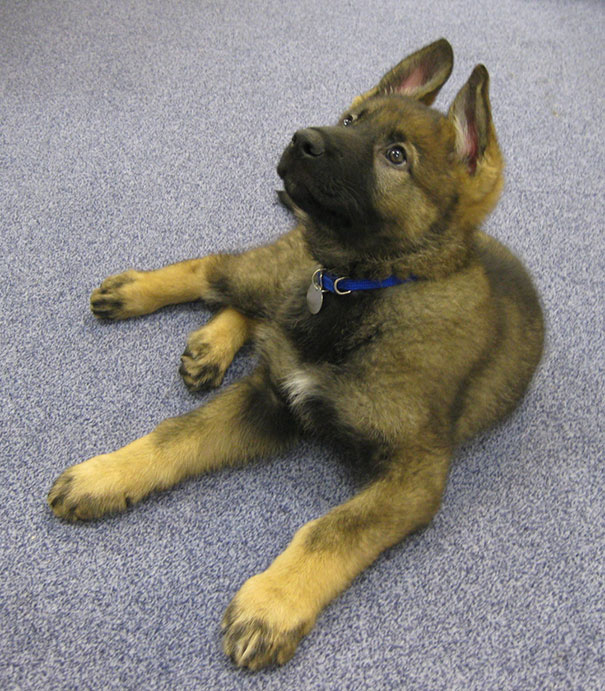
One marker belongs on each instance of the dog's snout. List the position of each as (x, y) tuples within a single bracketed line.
[(309, 142)]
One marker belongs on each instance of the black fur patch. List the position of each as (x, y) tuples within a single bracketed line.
[(340, 327), (246, 300), (335, 186), (266, 411)]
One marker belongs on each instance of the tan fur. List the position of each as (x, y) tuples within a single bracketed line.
[(134, 293), (210, 349)]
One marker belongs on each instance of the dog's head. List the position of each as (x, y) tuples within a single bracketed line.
[(396, 179)]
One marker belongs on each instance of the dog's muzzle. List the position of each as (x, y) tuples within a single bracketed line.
[(305, 144), (308, 143)]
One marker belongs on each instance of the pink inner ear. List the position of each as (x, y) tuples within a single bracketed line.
[(470, 145), (412, 81)]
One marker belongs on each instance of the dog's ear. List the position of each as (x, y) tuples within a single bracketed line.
[(476, 146), (471, 115), (419, 76)]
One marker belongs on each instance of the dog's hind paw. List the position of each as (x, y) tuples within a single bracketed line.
[(264, 624), (87, 490)]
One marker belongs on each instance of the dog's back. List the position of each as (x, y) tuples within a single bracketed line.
[(498, 380)]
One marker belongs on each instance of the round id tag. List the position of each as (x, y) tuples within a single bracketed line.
[(315, 296)]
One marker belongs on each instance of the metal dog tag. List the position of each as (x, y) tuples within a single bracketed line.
[(315, 298)]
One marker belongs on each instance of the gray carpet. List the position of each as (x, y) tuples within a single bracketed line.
[(142, 132)]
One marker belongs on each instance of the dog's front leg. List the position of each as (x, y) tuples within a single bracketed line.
[(251, 282), (249, 279), (211, 348), (134, 293), (246, 421), (274, 609)]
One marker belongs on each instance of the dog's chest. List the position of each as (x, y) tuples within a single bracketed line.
[(343, 325), (312, 356), (300, 385)]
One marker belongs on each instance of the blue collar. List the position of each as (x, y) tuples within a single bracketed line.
[(322, 282), (344, 286)]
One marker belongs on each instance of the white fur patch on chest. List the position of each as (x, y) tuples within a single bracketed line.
[(299, 385)]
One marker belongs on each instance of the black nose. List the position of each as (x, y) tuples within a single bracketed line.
[(309, 143)]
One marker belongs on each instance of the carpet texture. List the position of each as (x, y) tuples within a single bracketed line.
[(143, 132)]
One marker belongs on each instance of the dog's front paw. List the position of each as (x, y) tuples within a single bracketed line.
[(204, 362), (119, 297), (264, 623), (90, 490)]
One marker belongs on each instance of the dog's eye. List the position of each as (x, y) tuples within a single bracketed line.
[(347, 120), (396, 154)]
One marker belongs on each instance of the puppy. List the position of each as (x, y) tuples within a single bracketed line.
[(386, 321)]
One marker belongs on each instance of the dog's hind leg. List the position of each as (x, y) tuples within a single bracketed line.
[(274, 609), (246, 421)]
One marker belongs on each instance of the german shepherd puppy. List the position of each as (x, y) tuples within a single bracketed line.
[(385, 320)]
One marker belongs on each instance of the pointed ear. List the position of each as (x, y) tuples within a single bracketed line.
[(471, 115), (419, 76), (476, 146)]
